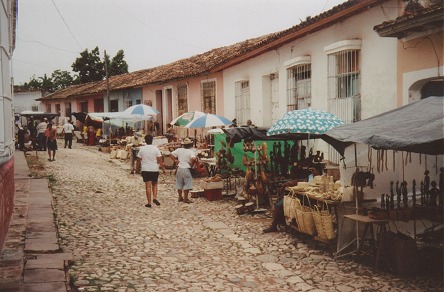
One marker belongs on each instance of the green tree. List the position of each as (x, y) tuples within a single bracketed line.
[(61, 79), (89, 66), (33, 83), (46, 84), (117, 65)]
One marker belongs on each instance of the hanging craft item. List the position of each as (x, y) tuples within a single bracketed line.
[(304, 217), (324, 222)]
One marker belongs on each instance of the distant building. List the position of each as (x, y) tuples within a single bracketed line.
[(26, 101)]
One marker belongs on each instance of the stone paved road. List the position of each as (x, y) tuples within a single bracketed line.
[(120, 245)]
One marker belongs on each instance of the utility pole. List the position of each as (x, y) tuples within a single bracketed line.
[(108, 101)]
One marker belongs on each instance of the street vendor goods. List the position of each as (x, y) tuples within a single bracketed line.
[(324, 222)]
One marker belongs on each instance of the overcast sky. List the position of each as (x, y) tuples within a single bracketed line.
[(52, 33)]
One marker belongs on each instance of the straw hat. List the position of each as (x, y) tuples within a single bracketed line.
[(187, 141)]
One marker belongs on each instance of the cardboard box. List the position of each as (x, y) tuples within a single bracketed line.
[(213, 194), (213, 185)]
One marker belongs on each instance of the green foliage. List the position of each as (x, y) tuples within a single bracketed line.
[(89, 66), (61, 79), (118, 65)]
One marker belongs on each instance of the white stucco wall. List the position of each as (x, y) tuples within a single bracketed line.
[(378, 67), (27, 100), (6, 96)]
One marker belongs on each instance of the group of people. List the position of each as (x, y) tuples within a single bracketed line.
[(91, 135), (150, 158)]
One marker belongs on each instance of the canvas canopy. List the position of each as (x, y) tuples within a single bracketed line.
[(416, 127), (237, 134)]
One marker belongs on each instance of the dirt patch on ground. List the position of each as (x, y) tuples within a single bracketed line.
[(36, 167)]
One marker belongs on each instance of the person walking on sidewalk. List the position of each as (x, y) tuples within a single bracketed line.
[(51, 142), (184, 158), (68, 129), (150, 158)]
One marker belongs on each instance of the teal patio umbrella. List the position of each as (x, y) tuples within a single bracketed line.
[(305, 123)]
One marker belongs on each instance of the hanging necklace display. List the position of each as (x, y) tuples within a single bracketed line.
[(394, 166)]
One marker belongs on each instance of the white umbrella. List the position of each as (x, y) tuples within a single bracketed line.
[(141, 110), (208, 121), (186, 118)]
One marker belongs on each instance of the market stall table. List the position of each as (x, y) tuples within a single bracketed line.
[(160, 141), (369, 222)]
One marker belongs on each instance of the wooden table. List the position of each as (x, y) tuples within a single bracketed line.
[(368, 222)]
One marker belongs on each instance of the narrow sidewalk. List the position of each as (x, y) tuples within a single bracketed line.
[(31, 259)]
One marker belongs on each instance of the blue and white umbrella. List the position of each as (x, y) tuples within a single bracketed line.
[(208, 121), (141, 110), (305, 121)]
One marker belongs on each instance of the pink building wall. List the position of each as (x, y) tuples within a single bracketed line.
[(418, 54), (7, 199)]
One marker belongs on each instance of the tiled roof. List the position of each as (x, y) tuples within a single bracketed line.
[(220, 58), (421, 20)]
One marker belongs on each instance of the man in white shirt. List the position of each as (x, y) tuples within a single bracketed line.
[(150, 158), (185, 158), (134, 142), (41, 127), (68, 129)]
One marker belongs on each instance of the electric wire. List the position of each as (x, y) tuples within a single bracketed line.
[(46, 45), (58, 11)]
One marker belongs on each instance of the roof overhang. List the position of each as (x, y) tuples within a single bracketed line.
[(305, 28), (424, 21)]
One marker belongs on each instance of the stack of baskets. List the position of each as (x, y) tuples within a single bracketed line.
[(309, 220)]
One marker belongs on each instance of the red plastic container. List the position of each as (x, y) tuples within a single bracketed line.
[(213, 194)]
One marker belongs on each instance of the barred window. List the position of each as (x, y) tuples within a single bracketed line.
[(182, 99), (48, 107), (299, 87), (344, 85), (208, 93), (242, 98), (127, 101), (68, 109)]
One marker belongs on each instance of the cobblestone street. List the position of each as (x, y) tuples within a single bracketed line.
[(120, 245)]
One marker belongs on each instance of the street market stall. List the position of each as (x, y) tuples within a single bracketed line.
[(409, 146)]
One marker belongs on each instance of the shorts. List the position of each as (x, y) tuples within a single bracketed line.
[(184, 180), (152, 176), (51, 144)]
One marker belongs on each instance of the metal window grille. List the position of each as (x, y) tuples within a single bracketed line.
[(344, 92), (181, 101), (208, 93), (299, 87), (48, 108), (242, 99), (274, 90), (68, 109), (127, 100)]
